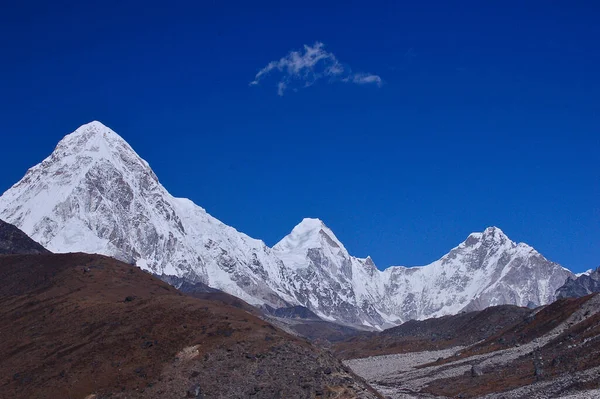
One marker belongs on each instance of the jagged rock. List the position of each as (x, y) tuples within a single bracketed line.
[(476, 371)]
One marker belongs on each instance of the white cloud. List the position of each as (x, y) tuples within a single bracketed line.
[(365, 78), (281, 86), (304, 68)]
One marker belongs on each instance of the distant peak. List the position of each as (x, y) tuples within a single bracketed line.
[(309, 233), (491, 234)]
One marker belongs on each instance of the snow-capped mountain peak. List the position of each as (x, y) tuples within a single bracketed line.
[(494, 233), (95, 194), (93, 139)]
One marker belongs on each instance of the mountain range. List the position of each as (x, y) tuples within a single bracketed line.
[(95, 194)]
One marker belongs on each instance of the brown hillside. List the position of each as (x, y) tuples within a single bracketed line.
[(75, 325)]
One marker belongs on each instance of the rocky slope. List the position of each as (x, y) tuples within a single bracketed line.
[(552, 352), (433, 334), (14, 241), (95, 194), (88, 326)]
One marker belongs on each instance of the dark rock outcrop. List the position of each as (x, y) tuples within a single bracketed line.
[(14, 241)]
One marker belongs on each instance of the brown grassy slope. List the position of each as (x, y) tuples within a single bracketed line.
[(78, 324)]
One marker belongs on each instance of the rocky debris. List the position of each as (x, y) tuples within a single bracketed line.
[(558, 356), (194, 391)]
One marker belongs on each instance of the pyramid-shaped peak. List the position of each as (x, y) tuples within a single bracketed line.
[(93, 139), (92, 131), (93, 145)]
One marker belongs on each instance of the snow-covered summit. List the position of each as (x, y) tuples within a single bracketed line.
[(309, 233), (93, 139), (490, 236)]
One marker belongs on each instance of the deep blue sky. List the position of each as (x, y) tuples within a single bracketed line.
[(489, 115)]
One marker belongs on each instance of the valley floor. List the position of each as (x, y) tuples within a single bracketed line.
[(416, 375), (552, 352)]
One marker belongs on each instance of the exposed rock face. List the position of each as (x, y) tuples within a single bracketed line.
[(337, 286), (14, 241), (95, 194), (583, 285)]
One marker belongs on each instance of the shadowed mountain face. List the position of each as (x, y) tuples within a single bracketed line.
[(14, 241), (74, 325), (581, 286)]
